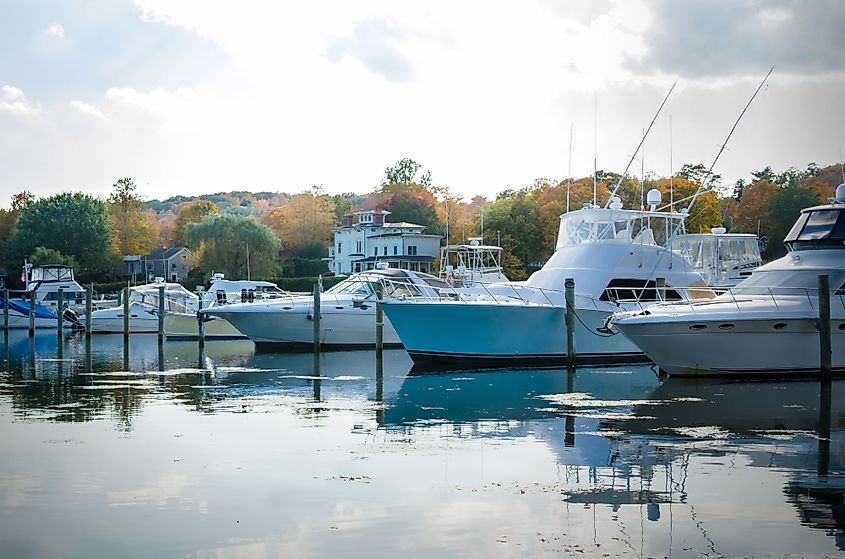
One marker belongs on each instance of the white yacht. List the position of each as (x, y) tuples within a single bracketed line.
[(468, 265), (613, 254), (44, 282), (44, 317), (347, 312), (221, 292), (767, 324), (143, 309)]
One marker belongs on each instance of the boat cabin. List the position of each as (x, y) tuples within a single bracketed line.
[(44, 283), (594, 224), (724, 259), (821, 227), (465, 264), (177, 299)]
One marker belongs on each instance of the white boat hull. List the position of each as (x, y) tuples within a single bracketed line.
[(186, 327), (294, 328), (19, 321), (446, 334), (698, 346)]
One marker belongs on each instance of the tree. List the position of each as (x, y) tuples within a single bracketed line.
[(413, 209), (516, 218), (192, 212), (75, 224), (306, 220), (9, 220), (704, 214), (752, 212), (42, 256), (237, 246), (131, 226), (404, 171)]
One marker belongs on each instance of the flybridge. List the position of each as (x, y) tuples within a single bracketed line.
[(592, 224)]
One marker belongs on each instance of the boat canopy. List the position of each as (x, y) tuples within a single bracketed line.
[(52, 272), (722, 258), (592, 224), (176, 298)]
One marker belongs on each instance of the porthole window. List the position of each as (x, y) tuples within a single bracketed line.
[(726, 326), (841, 326), (779, 326), (695, 327)]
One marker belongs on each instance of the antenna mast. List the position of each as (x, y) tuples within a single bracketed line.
[(595, 139), (671, 170), (628, 166), (569, 172)]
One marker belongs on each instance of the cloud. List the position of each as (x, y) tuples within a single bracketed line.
[(88, 109), (14, 101), (371, 44), (56, 30), (707, 38)]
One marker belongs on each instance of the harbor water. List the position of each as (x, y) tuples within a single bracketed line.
[(169, 451)]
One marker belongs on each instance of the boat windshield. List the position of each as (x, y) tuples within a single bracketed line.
[(600, 224), (358, 285), (176, 298), (719, 257), (815, 229), (51, 273)]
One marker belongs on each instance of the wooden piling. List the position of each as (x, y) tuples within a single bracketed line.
[(126, 314), (160, 314), (89, 308), (60, 303), (316, 319), (569, 286), (200, 321), (379, 329), (5, 310), (825, 398), (31, 313), (825, 348)]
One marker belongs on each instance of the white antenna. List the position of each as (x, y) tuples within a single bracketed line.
[(595, 139), (642, 177), (636, 151), (671, 170), (569, 172)]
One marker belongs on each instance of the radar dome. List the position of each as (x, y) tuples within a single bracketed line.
[(840, 193)]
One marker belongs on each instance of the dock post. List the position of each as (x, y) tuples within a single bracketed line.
[(569, 286), (200, 321), (316, 319), (31, 313), (126, 314), (825, 349), (5, 310), (60, 303), (160, 314), (660, 285), (89, 307), (379, 329), (825, 398)]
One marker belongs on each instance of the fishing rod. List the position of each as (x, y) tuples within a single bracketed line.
[(709, 173), (642, 140)]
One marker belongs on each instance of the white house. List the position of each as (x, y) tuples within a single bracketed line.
[(360, 245)]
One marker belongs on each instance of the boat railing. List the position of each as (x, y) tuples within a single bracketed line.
[(760, 299)]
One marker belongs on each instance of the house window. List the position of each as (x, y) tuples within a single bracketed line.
[(412, 250), (358, 247), (395, 250), (338, 247), (375, 251), (385, 251)]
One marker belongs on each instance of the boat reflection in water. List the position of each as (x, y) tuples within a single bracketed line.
[(264, 454)]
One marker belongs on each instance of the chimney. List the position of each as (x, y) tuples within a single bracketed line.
[(378, 217), (347, 219)]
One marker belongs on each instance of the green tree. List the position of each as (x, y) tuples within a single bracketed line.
[(782, 210), (412, 209), (516, 219), (228, 244), (404, 171), (192, 212), (74, 224), (9, 220), (42, 256), (131, 226)]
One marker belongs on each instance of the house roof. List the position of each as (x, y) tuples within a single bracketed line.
[(165, 253), (398, 257)]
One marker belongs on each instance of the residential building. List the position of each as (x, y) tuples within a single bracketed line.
[(172, 264), (366, 238)]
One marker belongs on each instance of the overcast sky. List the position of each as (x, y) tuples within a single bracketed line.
[(198, 96)]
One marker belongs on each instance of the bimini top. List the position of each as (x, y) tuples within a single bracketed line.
[(593, 224), (818, 228)]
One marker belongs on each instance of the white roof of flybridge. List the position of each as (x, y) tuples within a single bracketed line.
[(595, 212), (472, 247)]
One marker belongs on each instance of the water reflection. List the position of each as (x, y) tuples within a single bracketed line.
[(272, 454)]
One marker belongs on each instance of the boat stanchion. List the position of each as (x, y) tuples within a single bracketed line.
[(31, 313), (660, 286), (825, 349), (379, 330), (160, 314), (89, 308), (316, 319), (126, 315), (60, 302), (5, 310), (569, 287)]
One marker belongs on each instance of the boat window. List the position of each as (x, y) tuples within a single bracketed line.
[(626, 289), (353, 287), (819, 225), (796, 229)]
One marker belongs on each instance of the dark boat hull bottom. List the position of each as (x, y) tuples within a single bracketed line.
[(299, 347), (432, 361)]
